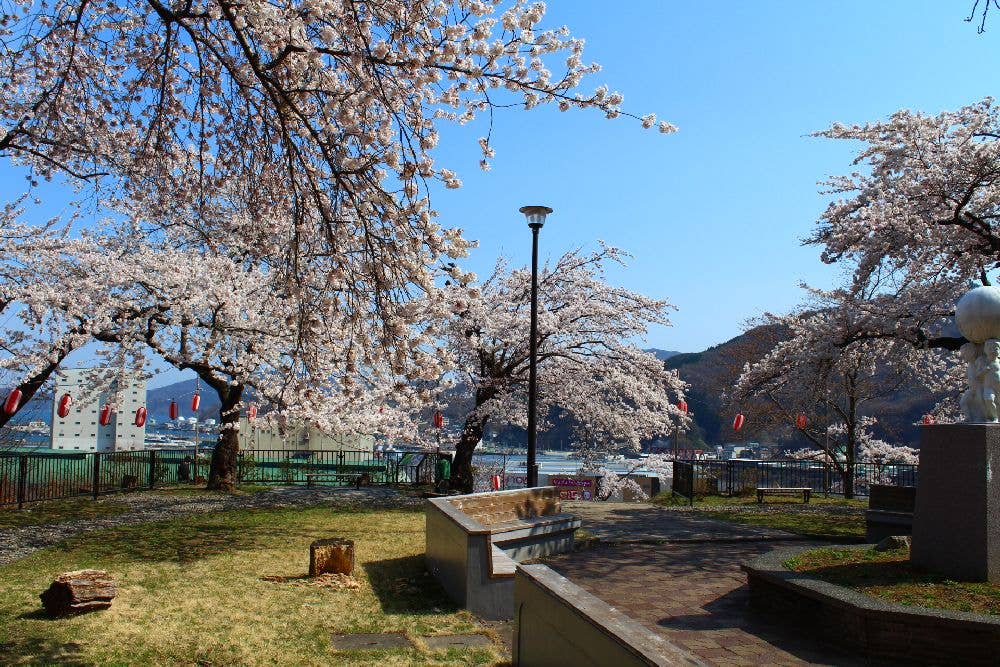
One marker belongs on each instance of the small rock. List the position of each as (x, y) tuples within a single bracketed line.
[(894, 542)]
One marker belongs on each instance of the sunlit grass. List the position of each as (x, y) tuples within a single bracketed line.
[(192, 591), (887, 575)]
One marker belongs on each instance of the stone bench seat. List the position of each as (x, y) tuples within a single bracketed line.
[(474, 543)]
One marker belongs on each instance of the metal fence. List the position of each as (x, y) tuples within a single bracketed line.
[(734, 478), (30, 477)]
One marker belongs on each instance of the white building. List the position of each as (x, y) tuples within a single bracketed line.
[(298, 438), (90, 389)]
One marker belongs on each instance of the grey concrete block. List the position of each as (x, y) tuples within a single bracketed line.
[(956, 521)]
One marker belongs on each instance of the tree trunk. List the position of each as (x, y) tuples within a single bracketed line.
[(472, 434), (852, 436), (461, 468), (222, 474)]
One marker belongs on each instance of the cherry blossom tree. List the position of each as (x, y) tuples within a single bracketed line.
[(588, 366), (917, 225), (828, 370)]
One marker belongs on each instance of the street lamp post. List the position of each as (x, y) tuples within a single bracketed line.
[(536, 218)]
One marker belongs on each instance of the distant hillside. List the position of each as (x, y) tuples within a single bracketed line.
[(662, 355), (714, 370)]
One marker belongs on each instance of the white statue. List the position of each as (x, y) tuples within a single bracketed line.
[(991, 380), (977, 315)]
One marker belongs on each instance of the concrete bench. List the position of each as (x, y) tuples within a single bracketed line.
[(890, 511), (474, 543), (803, 491)]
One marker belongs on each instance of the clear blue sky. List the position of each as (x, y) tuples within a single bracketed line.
[(713, 214)]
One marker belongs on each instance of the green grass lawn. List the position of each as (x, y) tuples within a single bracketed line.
[(888, 575), (230, 588), (827, 517)]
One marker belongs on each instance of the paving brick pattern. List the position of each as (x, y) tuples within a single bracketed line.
[(695, 595)]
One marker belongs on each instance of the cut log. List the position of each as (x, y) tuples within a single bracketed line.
[(78, 592), (334, 555)]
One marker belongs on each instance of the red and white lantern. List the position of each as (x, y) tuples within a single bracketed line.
[(929, 420), (801, 422), (682, 405), (195, 402), (63, 408), (106, 413), (495, 482), (140, 416), (438, 419), (13, 401), (251, 412), (738, 422), (173, 409)]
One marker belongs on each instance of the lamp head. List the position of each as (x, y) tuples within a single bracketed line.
[(535, 215)]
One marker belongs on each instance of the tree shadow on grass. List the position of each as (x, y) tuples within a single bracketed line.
[(41, 651), (403, 586), (178, 542)]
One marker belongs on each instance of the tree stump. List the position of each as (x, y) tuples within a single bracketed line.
[(334, 555), (78, 592)]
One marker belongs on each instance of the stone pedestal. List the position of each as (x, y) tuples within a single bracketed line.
[(956, 521)]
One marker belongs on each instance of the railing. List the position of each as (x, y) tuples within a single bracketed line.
[(30, 477), (734, 478)]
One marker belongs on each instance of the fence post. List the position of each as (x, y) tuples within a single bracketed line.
[(97, 474), (152, 467), (22, 481)]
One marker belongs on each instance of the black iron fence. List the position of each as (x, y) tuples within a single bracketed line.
[(30, 477), (734, 478)]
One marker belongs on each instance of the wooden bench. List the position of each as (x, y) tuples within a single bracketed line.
[(475, 541), (890, 511), (804, 491), (349, 474)]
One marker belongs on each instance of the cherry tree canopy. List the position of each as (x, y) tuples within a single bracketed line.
[(588, 364), (920, 222)]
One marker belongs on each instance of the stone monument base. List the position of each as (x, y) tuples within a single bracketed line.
[(956, 521)]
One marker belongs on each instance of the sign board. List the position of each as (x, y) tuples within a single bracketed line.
[(574, 487)]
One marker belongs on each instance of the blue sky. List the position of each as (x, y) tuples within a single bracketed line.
[(713, 214)]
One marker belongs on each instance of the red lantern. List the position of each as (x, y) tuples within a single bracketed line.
[(13, 401), (195, 402), (929, 420), (173, 409), (64, 402), (682, 405), (106, 414), (251, 413), (495, 482), (140, 416), (801, 422), (438, 419), (738, 422)]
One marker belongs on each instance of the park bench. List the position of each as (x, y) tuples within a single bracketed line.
[(346, 474), (475, 541), (803, 491), (890, 511)]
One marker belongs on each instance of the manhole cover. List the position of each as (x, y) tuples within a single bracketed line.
[(373, 641), (459, 641)]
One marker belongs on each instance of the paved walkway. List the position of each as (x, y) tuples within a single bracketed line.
[(687, 584), (643, 522), (144, 506)]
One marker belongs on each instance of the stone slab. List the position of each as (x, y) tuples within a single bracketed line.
[(444, 642), (956, 521), (375, 641)]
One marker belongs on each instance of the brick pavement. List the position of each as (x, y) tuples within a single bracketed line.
[(679, 574)]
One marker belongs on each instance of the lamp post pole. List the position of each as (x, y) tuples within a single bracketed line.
[(536, 218)]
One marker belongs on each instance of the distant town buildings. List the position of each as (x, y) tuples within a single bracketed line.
[(299, 438), (90, 389)]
